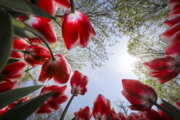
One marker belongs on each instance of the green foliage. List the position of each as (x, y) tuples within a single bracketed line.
[(23, 110), (24, 7), (6, 33), (13, 95), (10, 27), (172, 110)]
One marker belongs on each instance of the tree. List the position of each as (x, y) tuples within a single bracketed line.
[(122, 107)]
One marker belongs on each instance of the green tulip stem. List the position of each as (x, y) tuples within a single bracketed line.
[(66, 108)]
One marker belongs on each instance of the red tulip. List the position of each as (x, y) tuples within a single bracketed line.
[(168, 35), (2, 111), (44, 109), (121, 116), (178, 104), (172, 3), (44, 27), (151, 115), (176, 6), (101, 108), (76, 29), (135, 116), (13, 71), (7, 85), (115, 116), (173, 48), (12, 105), (78, 83), (35, 41), (138, 94), (53, 102), (83, 114), (57, 69), (36, 55), (15, 54), (63, 4), (164, 68), (172, 22), (48, 6), (163, 114), (19, 43), (174, 13)]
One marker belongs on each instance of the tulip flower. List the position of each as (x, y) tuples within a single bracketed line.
[(172, 3), (48, 6), (164, 68), (174, 13), (13, 71), (176, 6), (101, 108), (178, 104), (168, 35), (78, 86), (172, 22), (138, 94), (135, 116), (36, 55), (78, 83), (16, 54), (44, 109), (76, 29), (121, 116), (7, 85), (19, 43), (115, 116), (173, 48), (35, 41), (57, 69), (13, 104), (44, 27), (83, 114), (63, 4), (54, 101), (151, 115)]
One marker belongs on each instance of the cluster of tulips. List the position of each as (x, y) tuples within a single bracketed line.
[(77, 31)]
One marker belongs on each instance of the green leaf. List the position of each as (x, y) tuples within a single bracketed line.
[(12, 60), (25, 7), (175, 112), (27, 30), (25, 109), (6, 40), (13, 95)]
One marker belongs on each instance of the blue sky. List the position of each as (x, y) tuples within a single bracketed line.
[(106, 80)]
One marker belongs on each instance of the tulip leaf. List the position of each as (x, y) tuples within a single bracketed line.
[(20, 29), (175, 112), (13, 95), (12, 60), (25, 109), (25, 7), (6, 40), (26, 30)]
